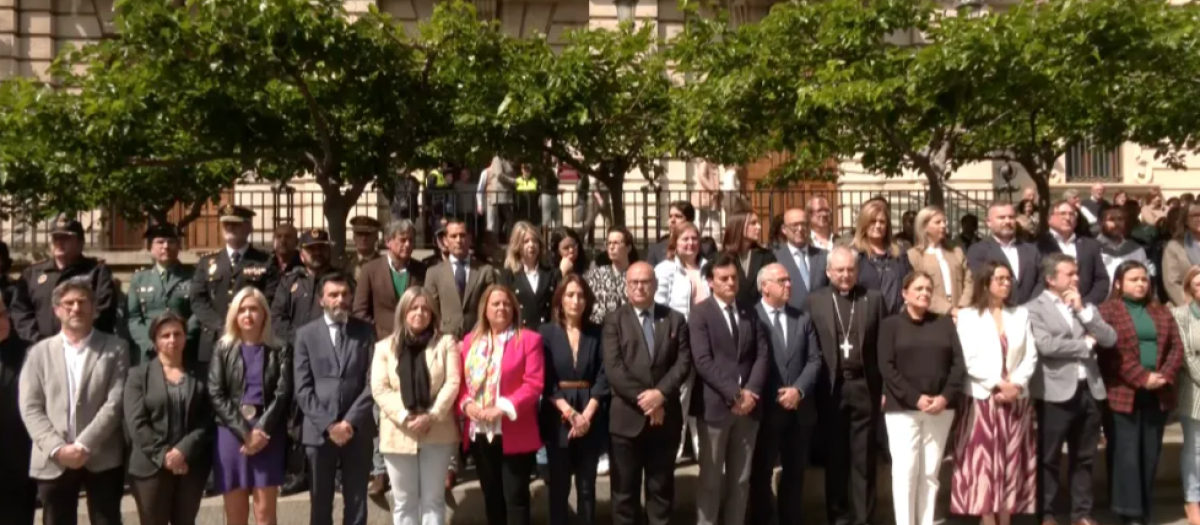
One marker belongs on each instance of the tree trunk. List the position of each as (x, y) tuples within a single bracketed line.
[(336, 210), (1041, 180), (614, 180), (936, 195)]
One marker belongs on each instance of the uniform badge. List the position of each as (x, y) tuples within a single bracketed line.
[(212, 268), (42, 279), (295, 286)]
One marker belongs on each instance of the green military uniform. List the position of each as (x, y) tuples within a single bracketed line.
[(354, 262), (152, 292)]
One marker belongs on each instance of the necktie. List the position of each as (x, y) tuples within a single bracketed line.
[(337, 337), (779, 328), (802, 264), (732, 322), (460, 277), (236, 258), (648, 332)]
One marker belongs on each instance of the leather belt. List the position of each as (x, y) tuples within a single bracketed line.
[(574, 385), (852, 373)]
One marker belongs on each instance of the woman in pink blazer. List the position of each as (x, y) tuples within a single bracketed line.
[(502, 382)]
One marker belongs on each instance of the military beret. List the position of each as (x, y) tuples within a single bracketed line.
[(66, 225), (364, 224), (231, 213), (314, 236)]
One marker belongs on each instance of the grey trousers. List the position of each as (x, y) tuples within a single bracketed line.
[(726, 454)]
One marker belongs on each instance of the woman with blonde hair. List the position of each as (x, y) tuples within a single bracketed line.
[(935, 254), (881, 265), (527, 275), (1155, 207), (415, 379), (1188, 384), (250, 384), (503, 376)]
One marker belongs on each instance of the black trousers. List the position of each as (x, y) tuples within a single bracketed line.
[(354, 462), (296, 476), (650, 455), (1077, 423), (60, 497), (19, 496), (783, 437), (165, 498), (579, 459), (504, 480), (1134, 445), (849, 421)]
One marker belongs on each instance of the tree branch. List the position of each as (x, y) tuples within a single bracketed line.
[(183, 162), (192, 214), (324, 130)]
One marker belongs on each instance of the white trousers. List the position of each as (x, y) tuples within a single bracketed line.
[(917, 441), (419, 485)]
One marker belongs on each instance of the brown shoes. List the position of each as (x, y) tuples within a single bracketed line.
[(378, 485)]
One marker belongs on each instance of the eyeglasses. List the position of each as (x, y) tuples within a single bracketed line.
[(640, 283), (1002, 279), (615, 243)]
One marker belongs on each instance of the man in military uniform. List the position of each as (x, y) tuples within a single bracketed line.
[(32, 308), (284, 248), (155, 290), (366, 244), (219, 276), (298, 302)]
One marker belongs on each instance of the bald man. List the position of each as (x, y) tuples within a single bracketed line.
[(647, 358), (847, 318)]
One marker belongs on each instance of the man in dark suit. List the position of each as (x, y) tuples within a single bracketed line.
[(847, 318), (1004, 246), (219, 276), (333, 388), (385, 279), (729, 352), (805, 263), (456, 285), (647, 358), (680, 212), (794, 365), (19, 490), (1093, 277)]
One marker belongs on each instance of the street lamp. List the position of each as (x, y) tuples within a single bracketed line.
[(626, 10)]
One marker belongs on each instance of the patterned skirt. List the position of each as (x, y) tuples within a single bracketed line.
[(995, 459)]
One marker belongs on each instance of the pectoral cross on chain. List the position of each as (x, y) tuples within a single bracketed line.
[(846, 347)]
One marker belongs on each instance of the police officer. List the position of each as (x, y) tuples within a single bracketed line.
[(157, 289), (366, 244), (527, 197), (32, 308), (218, 276)]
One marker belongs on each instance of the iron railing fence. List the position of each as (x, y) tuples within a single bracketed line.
[(645, 214)]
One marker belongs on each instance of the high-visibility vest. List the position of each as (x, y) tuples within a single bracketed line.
[(526, 185), (439, 180)]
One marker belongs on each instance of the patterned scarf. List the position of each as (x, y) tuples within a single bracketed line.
[(482, 369)]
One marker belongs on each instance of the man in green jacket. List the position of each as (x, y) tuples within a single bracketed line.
[(161, 287)]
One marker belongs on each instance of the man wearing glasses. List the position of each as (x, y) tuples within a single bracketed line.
[(804, 262), (823, 236), (1062, 238)]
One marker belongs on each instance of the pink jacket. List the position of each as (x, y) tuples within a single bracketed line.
[(521, 380)]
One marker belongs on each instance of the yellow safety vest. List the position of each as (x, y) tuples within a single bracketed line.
[(439, 180), (526, 185)]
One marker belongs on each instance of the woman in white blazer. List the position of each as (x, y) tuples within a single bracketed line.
[(995, 460), (680, 283)]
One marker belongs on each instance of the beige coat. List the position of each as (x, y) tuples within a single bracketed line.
[(1175, 265), (708, 180), (442, 359), (960, 278)]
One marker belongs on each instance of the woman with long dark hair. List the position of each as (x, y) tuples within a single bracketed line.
[(740, 241), (606, 277)]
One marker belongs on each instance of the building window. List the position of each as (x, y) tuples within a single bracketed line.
[(1088, 163)]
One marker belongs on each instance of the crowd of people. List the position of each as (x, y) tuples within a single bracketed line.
[(262, 371)]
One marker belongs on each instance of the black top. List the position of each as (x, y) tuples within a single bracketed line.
[(885, 273), (564, 366), (160, 416), (176, 409), (14, 439), (919, 357)]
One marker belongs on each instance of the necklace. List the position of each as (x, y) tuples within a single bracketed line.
[(845, 346)]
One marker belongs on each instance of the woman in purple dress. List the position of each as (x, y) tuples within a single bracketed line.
[(250, 382)]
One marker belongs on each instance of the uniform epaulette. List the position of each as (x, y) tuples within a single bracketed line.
[(202, 255)]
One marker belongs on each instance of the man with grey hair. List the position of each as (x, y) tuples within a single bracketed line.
[(1092, 208), (71, 391), (820, 217), (847, 318)]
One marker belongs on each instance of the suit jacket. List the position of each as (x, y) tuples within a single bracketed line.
[(748, 294), (562, 365), (657, 252), (32, 307), (522, 380), (442, 361), (816, 272), (375, 299), (1093, 276), (14, 440), (458, 313), (147, 421), (534, 303), (796, 364), (1175, 265), (1121, 365), (334, 384), (631, 370), (44, 403), (726, 363), (984, 357), (869, 312), (1029, 274), (960, 278), (1062, 349), (214, 283)]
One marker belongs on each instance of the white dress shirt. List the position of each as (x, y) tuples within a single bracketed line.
[(1068, 315), (827, 245), (334, 327), (771, 312), (240, 251), (1013, 256), (531, 274), (392, 264), (1067, 246), (75, 357), (947, 282)]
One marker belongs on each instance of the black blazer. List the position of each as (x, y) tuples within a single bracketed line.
[(796, 364), (748, 294), (868, 315), (816, 272), (1029, 274), (631, 371), (872, 279), (725, 364), (227, 382), (535, 304), (14, 439), (1093, 276), (147, 414), (562, 366), (334, 385)]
